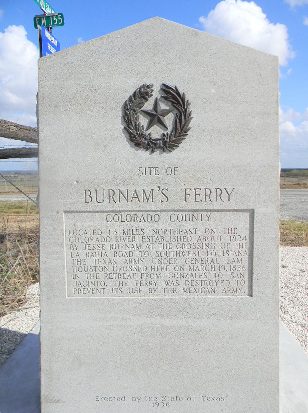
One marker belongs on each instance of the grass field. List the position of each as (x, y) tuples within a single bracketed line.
[(28, 182), (294, 179), (18, 208)]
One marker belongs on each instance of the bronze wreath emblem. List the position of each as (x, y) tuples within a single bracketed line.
[(178, 105)]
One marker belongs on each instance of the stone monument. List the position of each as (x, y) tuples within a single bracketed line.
[(159, 191)]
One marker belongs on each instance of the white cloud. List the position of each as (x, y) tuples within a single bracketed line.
[(305, 21), (294, 138), (294, 3), (80, 40), (245, 23), (289, 115), (18, 76)]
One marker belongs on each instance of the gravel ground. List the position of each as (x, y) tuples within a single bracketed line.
[(15, 326), (294, 291), (293, 304)]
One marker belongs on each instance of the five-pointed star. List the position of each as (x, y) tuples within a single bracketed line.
[(156, 115)]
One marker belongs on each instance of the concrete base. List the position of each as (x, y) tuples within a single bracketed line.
[(20, 384), (293, 374)]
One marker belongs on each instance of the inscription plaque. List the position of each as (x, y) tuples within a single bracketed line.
[(158, 253)]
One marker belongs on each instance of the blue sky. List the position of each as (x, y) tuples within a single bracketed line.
[(276, 26)]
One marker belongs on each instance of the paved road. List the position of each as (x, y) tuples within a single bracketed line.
[(294, 204)]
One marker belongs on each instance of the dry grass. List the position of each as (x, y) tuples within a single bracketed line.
[(18, 208), (294, 233), (19, 267), (289, 183)]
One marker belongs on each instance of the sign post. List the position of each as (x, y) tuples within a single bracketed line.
[(49, 44), (40, 41)]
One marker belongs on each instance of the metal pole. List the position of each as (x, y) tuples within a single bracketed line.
[(40, 41)]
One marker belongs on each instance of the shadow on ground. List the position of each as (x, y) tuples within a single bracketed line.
[(9, 340), (20, 377)]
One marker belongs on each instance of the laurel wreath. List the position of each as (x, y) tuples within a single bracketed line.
[(136, 131)]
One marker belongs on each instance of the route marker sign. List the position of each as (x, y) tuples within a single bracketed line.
[(56, 19), (46, 7), (49, 44)]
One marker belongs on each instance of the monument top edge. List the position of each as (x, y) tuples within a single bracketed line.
[(157, 23)]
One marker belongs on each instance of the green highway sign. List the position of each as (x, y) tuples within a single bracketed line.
[(55, 19), (46, 7)]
